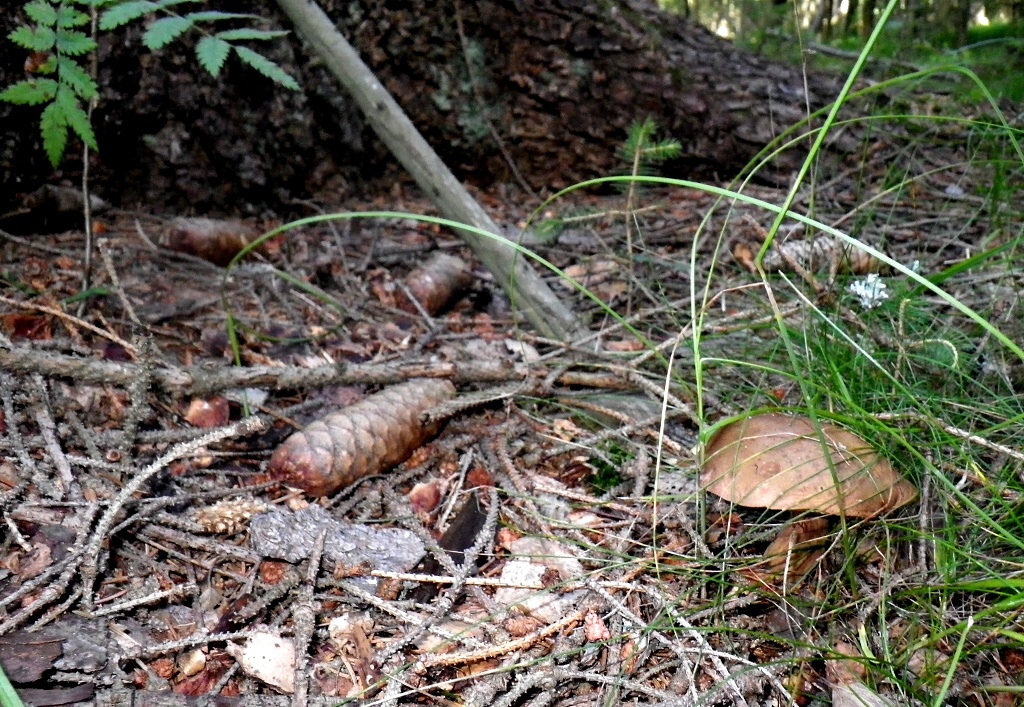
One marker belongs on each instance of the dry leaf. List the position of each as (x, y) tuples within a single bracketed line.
[(268, 657), (857, 694), (792, 463), (366, 438), (603, 277), (426, 496), (594, 627), (192, 663)]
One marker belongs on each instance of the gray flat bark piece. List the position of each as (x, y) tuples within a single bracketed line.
[(289, 535)]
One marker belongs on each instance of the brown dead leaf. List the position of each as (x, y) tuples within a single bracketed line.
[(426, 496), (35, 562), (162, 667), (215, 665), (624, 345), (594, 628), (601, 276), (31, 327), (722, 525), (518, 625), (744, 255)]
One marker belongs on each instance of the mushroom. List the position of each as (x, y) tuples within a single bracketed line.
[(791, 463)]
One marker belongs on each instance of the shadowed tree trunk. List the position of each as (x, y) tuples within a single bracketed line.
[(547, 88), (559, 82)]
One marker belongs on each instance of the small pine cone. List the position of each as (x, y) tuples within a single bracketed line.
[(366, 438), (437, 282)]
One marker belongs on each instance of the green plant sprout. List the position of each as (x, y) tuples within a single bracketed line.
[(57, 41), (642, 153)]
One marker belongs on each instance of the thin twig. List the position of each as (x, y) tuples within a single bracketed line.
[(89, 566)]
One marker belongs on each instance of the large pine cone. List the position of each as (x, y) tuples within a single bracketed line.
[(366, 438)]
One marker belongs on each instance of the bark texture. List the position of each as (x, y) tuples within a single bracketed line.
[(547, 86)]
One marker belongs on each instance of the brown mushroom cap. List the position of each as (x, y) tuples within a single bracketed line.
[(791, 463)]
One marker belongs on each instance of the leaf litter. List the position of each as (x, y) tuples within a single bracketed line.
[(575, 574)]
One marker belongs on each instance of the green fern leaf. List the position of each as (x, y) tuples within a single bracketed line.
[(98, 3), (214, 15), (74, 43), (70, 17), (211, 53), (125, 12), (73, 75), (42, 13), (75, 117), (164, 31), (36, 39), (232, 35), (31, 92), (163, 4), (55, 132), (266, 67)]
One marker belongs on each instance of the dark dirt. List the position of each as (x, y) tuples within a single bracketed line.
[(542, 93)]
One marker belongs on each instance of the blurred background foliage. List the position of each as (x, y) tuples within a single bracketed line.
[(986, 36)]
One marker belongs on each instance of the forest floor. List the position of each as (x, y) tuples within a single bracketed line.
[(148, 548)]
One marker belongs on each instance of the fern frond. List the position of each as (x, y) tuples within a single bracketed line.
[(73, 43), (74, 76), (163, 4), (31, 92), (75, 116), (215, 15), (54, 129), (266, 67), (42, 13), (36, 39), (232, 35), (211, 53), (164, 31), (125, 12), (68, 17)]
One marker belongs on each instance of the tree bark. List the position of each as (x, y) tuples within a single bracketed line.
[(556, 82), (525, 288), (562, 81)]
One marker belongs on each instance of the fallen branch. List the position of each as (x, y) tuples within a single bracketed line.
[(199, 380)]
